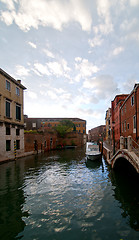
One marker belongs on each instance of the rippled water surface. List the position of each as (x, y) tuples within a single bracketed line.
[(61, 196)]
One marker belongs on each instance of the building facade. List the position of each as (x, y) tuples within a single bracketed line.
[(108, 126), (129, 114), (11, 117), (49, 123), (115, 118), (97, 134)]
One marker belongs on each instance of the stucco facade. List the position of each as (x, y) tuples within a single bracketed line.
[(48, 123), (11, 117)]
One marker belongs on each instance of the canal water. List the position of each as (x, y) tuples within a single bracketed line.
[(60, 196)]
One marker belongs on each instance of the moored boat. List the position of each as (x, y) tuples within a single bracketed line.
[(92, 151)]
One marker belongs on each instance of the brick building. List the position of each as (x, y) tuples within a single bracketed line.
[(97, 133), (45, 141), (11, 116), (108, 126), (49, 123), (129, 114), (115, 118)]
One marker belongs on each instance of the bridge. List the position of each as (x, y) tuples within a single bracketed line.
[(128, 152)]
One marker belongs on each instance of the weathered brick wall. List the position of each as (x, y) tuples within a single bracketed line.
[(47, 141)]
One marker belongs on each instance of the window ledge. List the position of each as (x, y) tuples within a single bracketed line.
[(8, 118)]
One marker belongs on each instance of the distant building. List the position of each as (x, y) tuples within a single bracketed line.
[(49, 123), (11, 116), (129, 114), (97, 133), (115, 118), (108, 126)]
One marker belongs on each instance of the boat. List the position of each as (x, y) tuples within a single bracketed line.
[(92, 151)]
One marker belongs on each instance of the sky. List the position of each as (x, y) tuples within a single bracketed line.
[(73, 56)]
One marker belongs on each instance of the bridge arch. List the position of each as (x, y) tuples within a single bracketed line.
[(123, 155)]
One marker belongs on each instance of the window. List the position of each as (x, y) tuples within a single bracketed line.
[(8, 131), (134, 123), (7, 109), (17, 144), (18, 112), (8, 85), (34, 125), (17, 91), (125, 126), (8, 145), (132, 100), (122, 127), (128, 126), (17, 132)]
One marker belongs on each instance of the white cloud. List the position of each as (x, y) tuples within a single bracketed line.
[(49, 53), (128, 24), (88, 111), (52, 95), (85, 68), (103, 9), (55, 68), (96, 41), (101, 86), (129, 84), (9, 4), (134, 3), (41, 69), (78, 59), (54, 13), (7, 17), (22, 71), (32, 95), (33, 45), (117, 51)]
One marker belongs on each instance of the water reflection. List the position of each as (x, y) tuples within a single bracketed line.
[(93, 164), (126, 191), (11, 201), (59, 195)]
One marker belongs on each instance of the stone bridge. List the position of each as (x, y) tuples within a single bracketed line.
[(130, 154)]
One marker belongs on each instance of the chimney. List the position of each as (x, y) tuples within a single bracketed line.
[(19, 81)]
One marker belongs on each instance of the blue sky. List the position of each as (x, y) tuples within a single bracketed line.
[(73, 56)]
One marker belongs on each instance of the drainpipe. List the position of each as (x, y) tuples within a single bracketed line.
[(136, 111), (120, 120)]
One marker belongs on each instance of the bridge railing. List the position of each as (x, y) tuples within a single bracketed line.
[(129, 144), (135, 147)]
